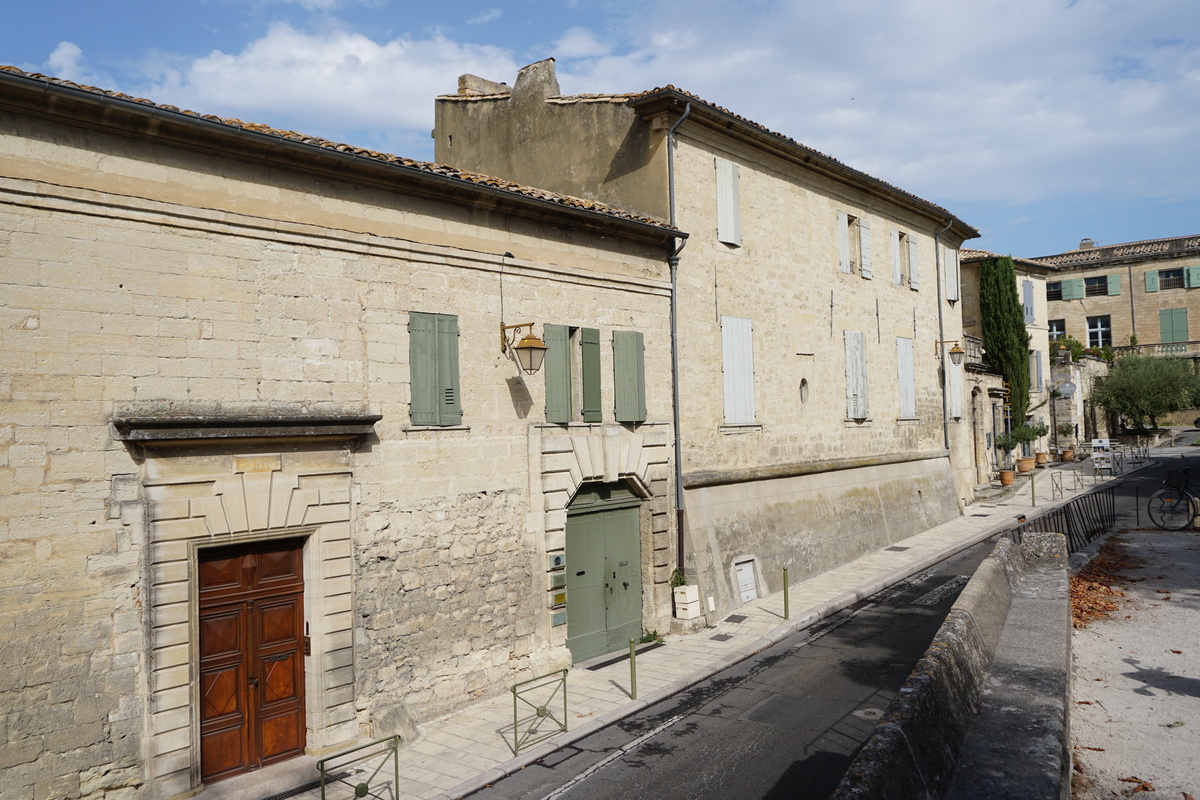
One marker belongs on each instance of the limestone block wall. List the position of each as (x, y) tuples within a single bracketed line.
[(139, 277)]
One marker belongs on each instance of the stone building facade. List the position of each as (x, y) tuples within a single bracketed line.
[(813, 301), (1136, 294), (271, 483), (990, 421)]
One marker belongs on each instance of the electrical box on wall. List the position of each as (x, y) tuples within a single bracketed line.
[(556, 561)]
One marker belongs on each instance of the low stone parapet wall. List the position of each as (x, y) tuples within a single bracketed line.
[(983, 714)]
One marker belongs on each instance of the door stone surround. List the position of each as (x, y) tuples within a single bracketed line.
[(198, 498)]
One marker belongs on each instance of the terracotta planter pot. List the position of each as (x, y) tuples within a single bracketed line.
[(1006, 477), (1068, 455), (1041, 458), (1025, 464)]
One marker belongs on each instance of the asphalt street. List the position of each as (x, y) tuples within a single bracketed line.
[(783, 723)]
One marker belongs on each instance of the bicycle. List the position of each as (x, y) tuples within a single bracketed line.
[(1174, 507)]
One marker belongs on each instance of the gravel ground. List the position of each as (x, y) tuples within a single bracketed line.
[(1135, 719)]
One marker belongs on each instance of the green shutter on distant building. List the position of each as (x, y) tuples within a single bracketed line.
[(1151, 280), (1072, 289), (1114, 284), (433, 369)]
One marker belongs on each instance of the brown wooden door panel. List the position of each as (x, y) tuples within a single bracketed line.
[(251, 656)]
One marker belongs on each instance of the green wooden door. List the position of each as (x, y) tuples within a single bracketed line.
[(604, 585)]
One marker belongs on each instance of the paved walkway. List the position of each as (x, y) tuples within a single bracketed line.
[(458, 753)]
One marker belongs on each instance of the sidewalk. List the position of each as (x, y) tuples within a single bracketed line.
[(461, 752)]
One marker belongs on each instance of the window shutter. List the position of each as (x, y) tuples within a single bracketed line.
[(729, 218), (954, 389), (557, 368), (951, 258), (737, 364), (1172, 325), (856, 374), (843, 224), (1037, 370), (1072, 289), (629, 376), (914, 280), (906, 375), (864, 247), (422, 369), (1151, 280), (449, 406), (1114, 284), (1191, 277), (1027, 298), (894, 242), (589, 338)]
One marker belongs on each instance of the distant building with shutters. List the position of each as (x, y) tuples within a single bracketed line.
[(272, 483), (814, 307), (1135, 296)]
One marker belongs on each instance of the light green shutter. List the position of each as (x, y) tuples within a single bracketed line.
[(1151, 280), (1191, 277), (557, 367), (422, 368), (449, 405), (1172, 325), (590, 340), (1072, 289), (1114, 284), (629, 376)]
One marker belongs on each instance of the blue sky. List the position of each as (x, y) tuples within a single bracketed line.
[(1040, 122)]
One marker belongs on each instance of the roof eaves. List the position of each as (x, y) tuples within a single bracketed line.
[(655, 101), (462, 179)]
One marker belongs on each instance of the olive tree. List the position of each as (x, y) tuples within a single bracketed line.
[(1146, 388)]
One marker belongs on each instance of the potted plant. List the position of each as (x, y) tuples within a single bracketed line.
[(1066, 430), (1035, 432), (1006, 443)]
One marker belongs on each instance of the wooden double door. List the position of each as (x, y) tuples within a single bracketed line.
[(603, 580), (251, 656)]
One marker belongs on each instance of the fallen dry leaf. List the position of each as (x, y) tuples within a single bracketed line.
[(1177, 652), (1142, 786), (1092, 593), (1083, 702)]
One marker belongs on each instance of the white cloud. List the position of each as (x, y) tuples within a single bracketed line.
[(68, 62), (486, 17), (337, 84), (993, 99), (579, 43)]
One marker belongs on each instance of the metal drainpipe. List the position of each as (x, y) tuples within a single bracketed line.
[(673, 261), (937, 267)]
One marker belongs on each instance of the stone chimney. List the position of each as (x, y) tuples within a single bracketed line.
[(473, 84), (1086, 244), (536, 82)]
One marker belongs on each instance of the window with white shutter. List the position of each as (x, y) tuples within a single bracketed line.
[(856, 374), (729, 213), (906, 376), (737, 364)]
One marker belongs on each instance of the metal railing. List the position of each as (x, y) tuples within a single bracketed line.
[(335, 769), (536, 694), (1081, 520)]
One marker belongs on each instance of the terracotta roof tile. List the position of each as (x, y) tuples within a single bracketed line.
[(455, 173)]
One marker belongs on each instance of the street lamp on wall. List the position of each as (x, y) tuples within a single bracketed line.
[(530, 351), (956, 352)]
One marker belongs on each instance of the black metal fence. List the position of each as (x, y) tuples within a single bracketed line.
[(1081, 520)]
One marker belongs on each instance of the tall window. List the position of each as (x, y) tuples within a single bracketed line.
[(854, 244), (1058, 329), (1094, 287), (900, 256), (433, 369), (906, 374), (856, 375), (1099, 331), (737, 362), (1027, 301), (572, 371), (729, 212), (1054, 290)]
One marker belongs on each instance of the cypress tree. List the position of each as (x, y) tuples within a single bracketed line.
[(1005, 339)]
